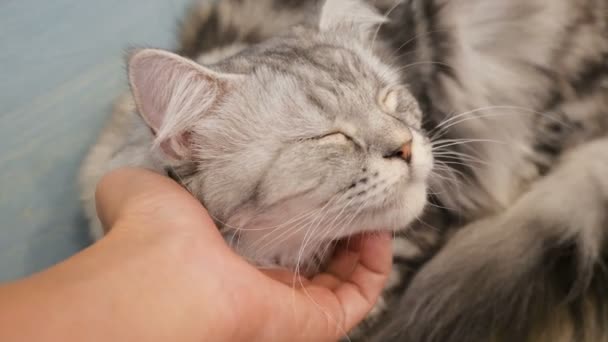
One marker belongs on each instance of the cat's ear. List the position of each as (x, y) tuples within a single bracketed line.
[(356, 16), (172, 93)]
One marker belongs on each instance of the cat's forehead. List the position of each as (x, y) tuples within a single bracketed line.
[(313, 58), (322, 61), (313, 82), (327, 75)]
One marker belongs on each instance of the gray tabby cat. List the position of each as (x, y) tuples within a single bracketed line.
[(304, 122), (291, 144)]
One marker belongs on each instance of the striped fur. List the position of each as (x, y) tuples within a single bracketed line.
[(513, 243), (541, 70), (528, 263)]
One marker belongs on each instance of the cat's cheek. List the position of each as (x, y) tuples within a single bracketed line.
[(413, 201), (417, 200), (422, 158)]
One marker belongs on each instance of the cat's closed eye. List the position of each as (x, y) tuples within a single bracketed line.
[(395, 100), (335, 138), (399, 103), (389, 99)]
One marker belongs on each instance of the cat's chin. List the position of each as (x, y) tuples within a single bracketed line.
[(391, 218), (311, 263), (268, 242)]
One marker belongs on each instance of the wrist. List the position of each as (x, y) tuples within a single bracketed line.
[(123, 288)]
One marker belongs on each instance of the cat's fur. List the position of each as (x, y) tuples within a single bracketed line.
[(512, 246), (291, 144)]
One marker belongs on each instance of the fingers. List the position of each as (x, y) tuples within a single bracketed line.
[(342, 265), (346, 258), (147, 197), (355, 279), (359, 293), (286, 277), (362, 281)]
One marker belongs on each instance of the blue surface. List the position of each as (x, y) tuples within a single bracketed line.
[(61, 64)]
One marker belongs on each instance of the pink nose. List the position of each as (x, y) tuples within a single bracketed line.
[(406, 151)]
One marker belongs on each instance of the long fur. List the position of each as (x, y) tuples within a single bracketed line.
[(291, 144), (528, 262), (514, 96)]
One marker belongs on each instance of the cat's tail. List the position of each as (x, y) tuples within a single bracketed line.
[(502, 288), (210, 25)]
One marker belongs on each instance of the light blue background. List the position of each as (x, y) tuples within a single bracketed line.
[(61, 66)]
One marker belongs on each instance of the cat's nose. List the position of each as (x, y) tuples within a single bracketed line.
[(404, 152)]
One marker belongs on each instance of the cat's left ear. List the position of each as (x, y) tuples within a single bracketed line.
[(172, 94), (353, 16)]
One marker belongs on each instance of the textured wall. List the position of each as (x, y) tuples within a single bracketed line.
[(61, 64)]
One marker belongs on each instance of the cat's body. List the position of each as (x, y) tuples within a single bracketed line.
[(512, 245)]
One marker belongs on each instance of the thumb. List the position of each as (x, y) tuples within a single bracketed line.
[(357, 276), (145, 197), (333, 302)]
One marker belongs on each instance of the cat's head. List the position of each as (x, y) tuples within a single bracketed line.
[(294, 143)]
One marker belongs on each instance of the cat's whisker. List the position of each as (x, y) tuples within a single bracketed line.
[(447, 160), (343, 226), (386, 16), (408, 66), (443, 154), (454, 153), (439, 143), (236, 229), (327, 247), (417, 37), (400, 57), (287, 233), (451, 121), (414, 64), (312, 229), (417, 217), (328, 228), (280, 225), (282, 236), (356, 214), (289, 222), (451, 169), (431, 191), (457, 155), (308, 235), (440, 207), (333, 241), (334, 223), (466, 141), (459, 163), (451, 180)]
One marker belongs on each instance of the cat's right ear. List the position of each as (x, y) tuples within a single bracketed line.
[(172, 93), (356, 17)]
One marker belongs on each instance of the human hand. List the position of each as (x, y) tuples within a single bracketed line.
[(195, 286)]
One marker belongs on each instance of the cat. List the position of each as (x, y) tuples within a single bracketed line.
[(504, 102), (282, 141)]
